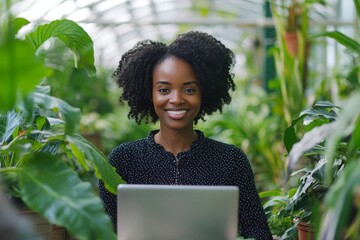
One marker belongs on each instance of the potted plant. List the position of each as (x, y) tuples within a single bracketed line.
[(291, 53), (292, 23), (334, 140), (324, 149), (295, 205), (335, 144), (320, 169), (293, 27), (328, 138), (43, 161)]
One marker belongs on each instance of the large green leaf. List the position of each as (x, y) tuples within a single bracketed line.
[(20, 72), (309, 140), (290, 137), (339, 201), (343, 127), (96, 159), (343, 40), (51, 188), (324, 104), (305, 193), (18, 23), (322, 110), (75, 38), (70, 114), (8, 124), (271, 193), (354, 143), (357, 6)]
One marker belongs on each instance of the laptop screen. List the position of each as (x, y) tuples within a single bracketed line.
[(177, 212)]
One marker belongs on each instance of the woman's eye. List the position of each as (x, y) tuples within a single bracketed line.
[(190, 90), (163, 90)]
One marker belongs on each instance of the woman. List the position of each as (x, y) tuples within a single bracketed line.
[(178, 85)]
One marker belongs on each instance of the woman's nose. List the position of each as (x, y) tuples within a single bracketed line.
[(176, 98)]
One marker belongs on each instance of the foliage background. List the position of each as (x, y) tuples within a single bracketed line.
[(254, 120)]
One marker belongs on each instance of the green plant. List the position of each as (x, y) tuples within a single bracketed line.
[(319, 127), (72, 83), (334, 142), (326, 149), (111, 124), (307, 186), (339, 150), (341, 215), (291, 54), (278, 223), (331, 142), (43, 160)]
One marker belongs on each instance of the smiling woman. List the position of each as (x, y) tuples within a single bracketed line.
[(178, 85), (176, 95)]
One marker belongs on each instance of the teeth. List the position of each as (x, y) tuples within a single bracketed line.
[(177, 112)]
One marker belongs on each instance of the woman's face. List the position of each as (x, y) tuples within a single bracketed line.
[(176, 94)]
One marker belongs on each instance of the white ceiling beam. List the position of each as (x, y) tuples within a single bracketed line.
[(261, 22)]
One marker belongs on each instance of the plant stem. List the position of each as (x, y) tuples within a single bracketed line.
[(10, 169)]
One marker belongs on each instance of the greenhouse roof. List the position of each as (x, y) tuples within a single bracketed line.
[(116, 25)]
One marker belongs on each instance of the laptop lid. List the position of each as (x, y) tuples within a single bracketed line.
[(177, 212)]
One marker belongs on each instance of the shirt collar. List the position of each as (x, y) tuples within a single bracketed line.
[(194, 145)]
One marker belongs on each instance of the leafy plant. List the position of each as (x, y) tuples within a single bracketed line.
[(72, 83), (291, 53), (319, 127), (324, 149), (111, 124), (296, 204), (278, 223), (335, 144), (340, 217), (42, 158)]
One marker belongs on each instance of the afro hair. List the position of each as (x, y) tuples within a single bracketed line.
[(209, 58)]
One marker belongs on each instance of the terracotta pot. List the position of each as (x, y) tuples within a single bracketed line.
[(292, 43), (59, 233), (40, 225), (305, 231)]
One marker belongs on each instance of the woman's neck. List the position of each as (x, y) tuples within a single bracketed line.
[(175, 141)]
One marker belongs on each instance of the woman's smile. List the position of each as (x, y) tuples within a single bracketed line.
[(176, 94), (176, 114)]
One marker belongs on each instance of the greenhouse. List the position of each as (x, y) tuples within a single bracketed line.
[(262, 95)]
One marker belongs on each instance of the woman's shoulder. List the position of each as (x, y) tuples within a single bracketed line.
[(231, 155), (222, 146), (128, 147), (133, 146), (218, 148)]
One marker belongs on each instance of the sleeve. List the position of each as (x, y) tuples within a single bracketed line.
[(109, 199), (252, 219), (109, 202)]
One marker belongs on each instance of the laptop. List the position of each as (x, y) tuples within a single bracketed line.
[(177, 212)]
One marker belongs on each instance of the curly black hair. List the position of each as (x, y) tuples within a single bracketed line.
[(210, 59)]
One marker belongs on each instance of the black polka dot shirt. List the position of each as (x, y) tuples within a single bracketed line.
[(208, 162)]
